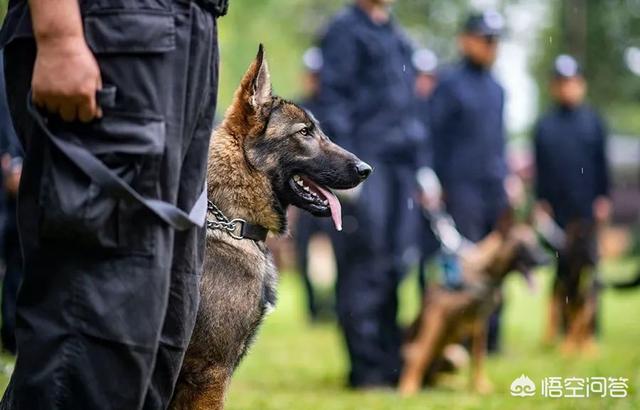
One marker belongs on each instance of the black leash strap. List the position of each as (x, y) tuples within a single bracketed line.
[(112, 184)]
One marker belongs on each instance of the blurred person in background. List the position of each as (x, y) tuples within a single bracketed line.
[(425, 63), (367, 97), (572, 177), (306, 225), (468, 133), (11, 162)]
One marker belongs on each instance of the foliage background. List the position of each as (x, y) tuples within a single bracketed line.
[(598, 31)]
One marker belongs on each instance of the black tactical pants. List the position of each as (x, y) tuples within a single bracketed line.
[(110, 292)]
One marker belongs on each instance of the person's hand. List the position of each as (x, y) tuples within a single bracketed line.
[(66, 77), (11, 172), (515, 189), (602, 209)]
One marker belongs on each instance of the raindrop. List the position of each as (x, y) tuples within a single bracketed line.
[(404, 68)]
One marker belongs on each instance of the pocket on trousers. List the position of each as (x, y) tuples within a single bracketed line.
[(76, 209), (123, 31), (122, 299)]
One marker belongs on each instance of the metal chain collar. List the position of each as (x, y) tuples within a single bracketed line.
[(222, 223)]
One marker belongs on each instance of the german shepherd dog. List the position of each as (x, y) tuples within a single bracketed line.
[(573, 307), (450, 316), (267, 154), (574, 297)]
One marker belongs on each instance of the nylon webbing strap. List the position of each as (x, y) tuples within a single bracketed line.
[(111, 183)]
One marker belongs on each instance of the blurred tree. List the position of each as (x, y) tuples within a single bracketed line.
[(287, 27), (598, 33)]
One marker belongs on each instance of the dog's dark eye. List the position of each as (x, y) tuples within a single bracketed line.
[(304, 132)]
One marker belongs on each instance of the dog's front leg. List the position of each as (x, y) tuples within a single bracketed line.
[(420, 353), (478, 379), (207, 394), (553, 320), (586, 319)]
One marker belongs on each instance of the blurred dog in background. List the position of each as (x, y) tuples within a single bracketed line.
[(451, 316)]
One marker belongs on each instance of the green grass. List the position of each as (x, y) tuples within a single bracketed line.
[(297, 366)]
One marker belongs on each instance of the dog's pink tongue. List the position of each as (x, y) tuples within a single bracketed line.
[(334, 205)]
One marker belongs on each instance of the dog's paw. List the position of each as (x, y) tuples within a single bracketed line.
[(408, 386), (483, 386), (568, 348), (590, 349)]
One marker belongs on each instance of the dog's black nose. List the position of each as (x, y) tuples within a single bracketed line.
[(364, 170)]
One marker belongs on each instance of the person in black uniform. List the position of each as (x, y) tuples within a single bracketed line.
[(467, 128), (368, 106), (425, 63), (306, 225), (572, 175), (111, 211)]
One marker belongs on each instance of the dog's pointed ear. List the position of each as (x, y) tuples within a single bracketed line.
[(252, 101), (261, 84)]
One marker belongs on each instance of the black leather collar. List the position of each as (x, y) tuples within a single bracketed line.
[(236, 228)]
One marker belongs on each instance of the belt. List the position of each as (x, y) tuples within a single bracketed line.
[(218, 7), (111, 183)]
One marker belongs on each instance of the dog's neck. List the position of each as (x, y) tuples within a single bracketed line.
[(488, 259), (237, 189)]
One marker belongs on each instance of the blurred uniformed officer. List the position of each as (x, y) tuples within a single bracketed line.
[(367, 100), (307, 225), (466, 118), (425, 63), (572, 178), (111, 207), (572, 175)]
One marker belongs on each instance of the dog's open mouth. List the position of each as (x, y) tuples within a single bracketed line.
[(318, 198)]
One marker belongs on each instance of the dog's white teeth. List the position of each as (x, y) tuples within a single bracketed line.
[(296, 178), (300, 183), (325, 202), (306, 188)]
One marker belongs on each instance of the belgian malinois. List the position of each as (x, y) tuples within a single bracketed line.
[(267, 154), (449, 316)]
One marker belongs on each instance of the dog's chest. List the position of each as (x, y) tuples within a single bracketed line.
[(269, 284)]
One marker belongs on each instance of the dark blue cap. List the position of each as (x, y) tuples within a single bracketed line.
[(489, 23), (565, 66), (425, 61), (312, 59)]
